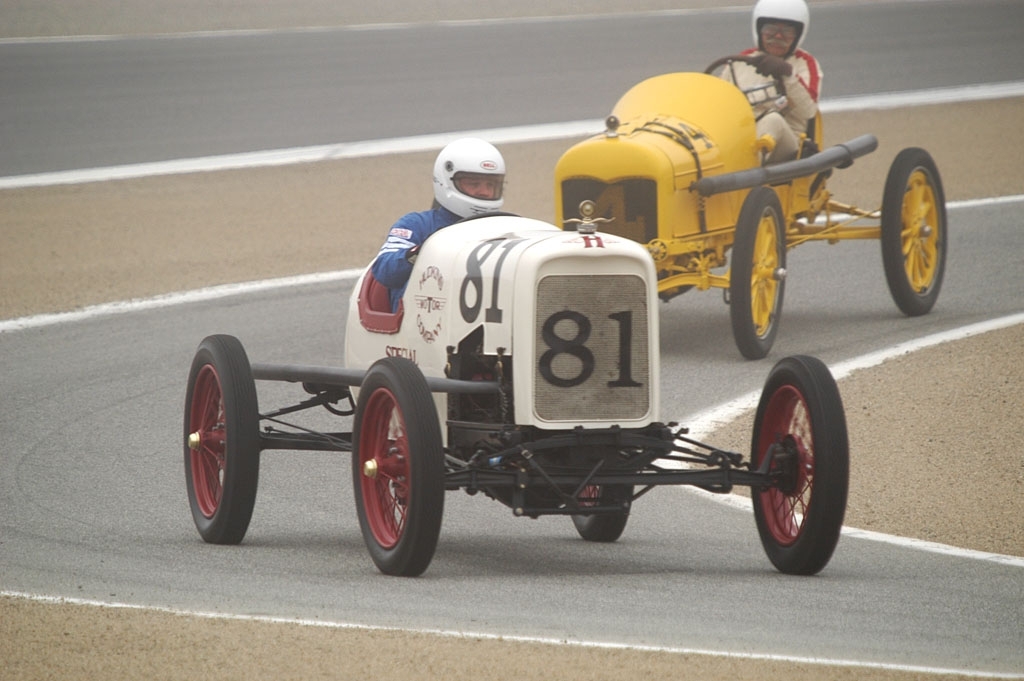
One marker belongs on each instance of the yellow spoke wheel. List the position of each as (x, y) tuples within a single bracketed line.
[(914, 231), (757, 277)]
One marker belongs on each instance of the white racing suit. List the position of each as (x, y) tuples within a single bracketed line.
[(787, 122)]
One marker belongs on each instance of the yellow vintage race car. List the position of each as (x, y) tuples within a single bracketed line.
[(679, 169)]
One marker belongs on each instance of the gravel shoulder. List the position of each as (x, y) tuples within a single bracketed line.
[(65, 247), (68, 247)]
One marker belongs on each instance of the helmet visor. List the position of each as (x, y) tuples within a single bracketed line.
[(479, 185)]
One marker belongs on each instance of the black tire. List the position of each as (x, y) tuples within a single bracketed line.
[(398, 467), (605, 527), (915, 235), (221, 440), (800, 416), (757, 278)]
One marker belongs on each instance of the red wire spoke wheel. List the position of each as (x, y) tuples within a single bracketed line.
[(221, 440), (207, 458), (398, 467), (386, 469), (800, 430), (604, 527)]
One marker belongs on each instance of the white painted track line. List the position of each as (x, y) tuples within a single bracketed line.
[(529, 133), (227, 290)]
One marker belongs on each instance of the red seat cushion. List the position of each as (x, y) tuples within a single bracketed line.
[(375, 307)]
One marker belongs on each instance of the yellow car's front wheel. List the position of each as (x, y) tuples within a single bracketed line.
[(914, 231), (757, 278)]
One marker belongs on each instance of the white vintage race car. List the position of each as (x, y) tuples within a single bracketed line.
[(523, 363)]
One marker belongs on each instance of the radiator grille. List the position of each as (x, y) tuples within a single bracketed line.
[(591, 361), (632, 205)]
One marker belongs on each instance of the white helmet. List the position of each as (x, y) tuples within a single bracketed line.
[(794, 11), (466, 164)]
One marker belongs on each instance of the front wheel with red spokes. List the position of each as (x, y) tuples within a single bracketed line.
[(800, 438), (221, 440), (398, 467)]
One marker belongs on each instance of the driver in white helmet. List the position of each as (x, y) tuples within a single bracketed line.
[(469, 176), (780, 27)]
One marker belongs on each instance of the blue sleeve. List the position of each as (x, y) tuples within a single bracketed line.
[(390, 266)]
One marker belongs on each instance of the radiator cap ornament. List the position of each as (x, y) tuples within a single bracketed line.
[(587, 223)]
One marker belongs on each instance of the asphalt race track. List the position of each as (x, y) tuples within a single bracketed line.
[(91, 482), (102, 103)]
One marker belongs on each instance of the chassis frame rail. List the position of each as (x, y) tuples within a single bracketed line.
[(653, 456), (659, 457), (305, 373)]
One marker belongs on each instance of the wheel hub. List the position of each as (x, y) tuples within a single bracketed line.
[(785, 457)]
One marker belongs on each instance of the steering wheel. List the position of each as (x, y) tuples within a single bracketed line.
[(722, 61), (780, 87)]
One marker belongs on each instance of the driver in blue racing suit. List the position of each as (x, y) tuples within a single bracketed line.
[(469, 176)]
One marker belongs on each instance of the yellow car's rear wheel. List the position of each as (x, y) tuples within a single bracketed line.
[(914, 231), (757, 278)]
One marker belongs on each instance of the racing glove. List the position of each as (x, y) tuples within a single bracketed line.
[(770, 65)]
